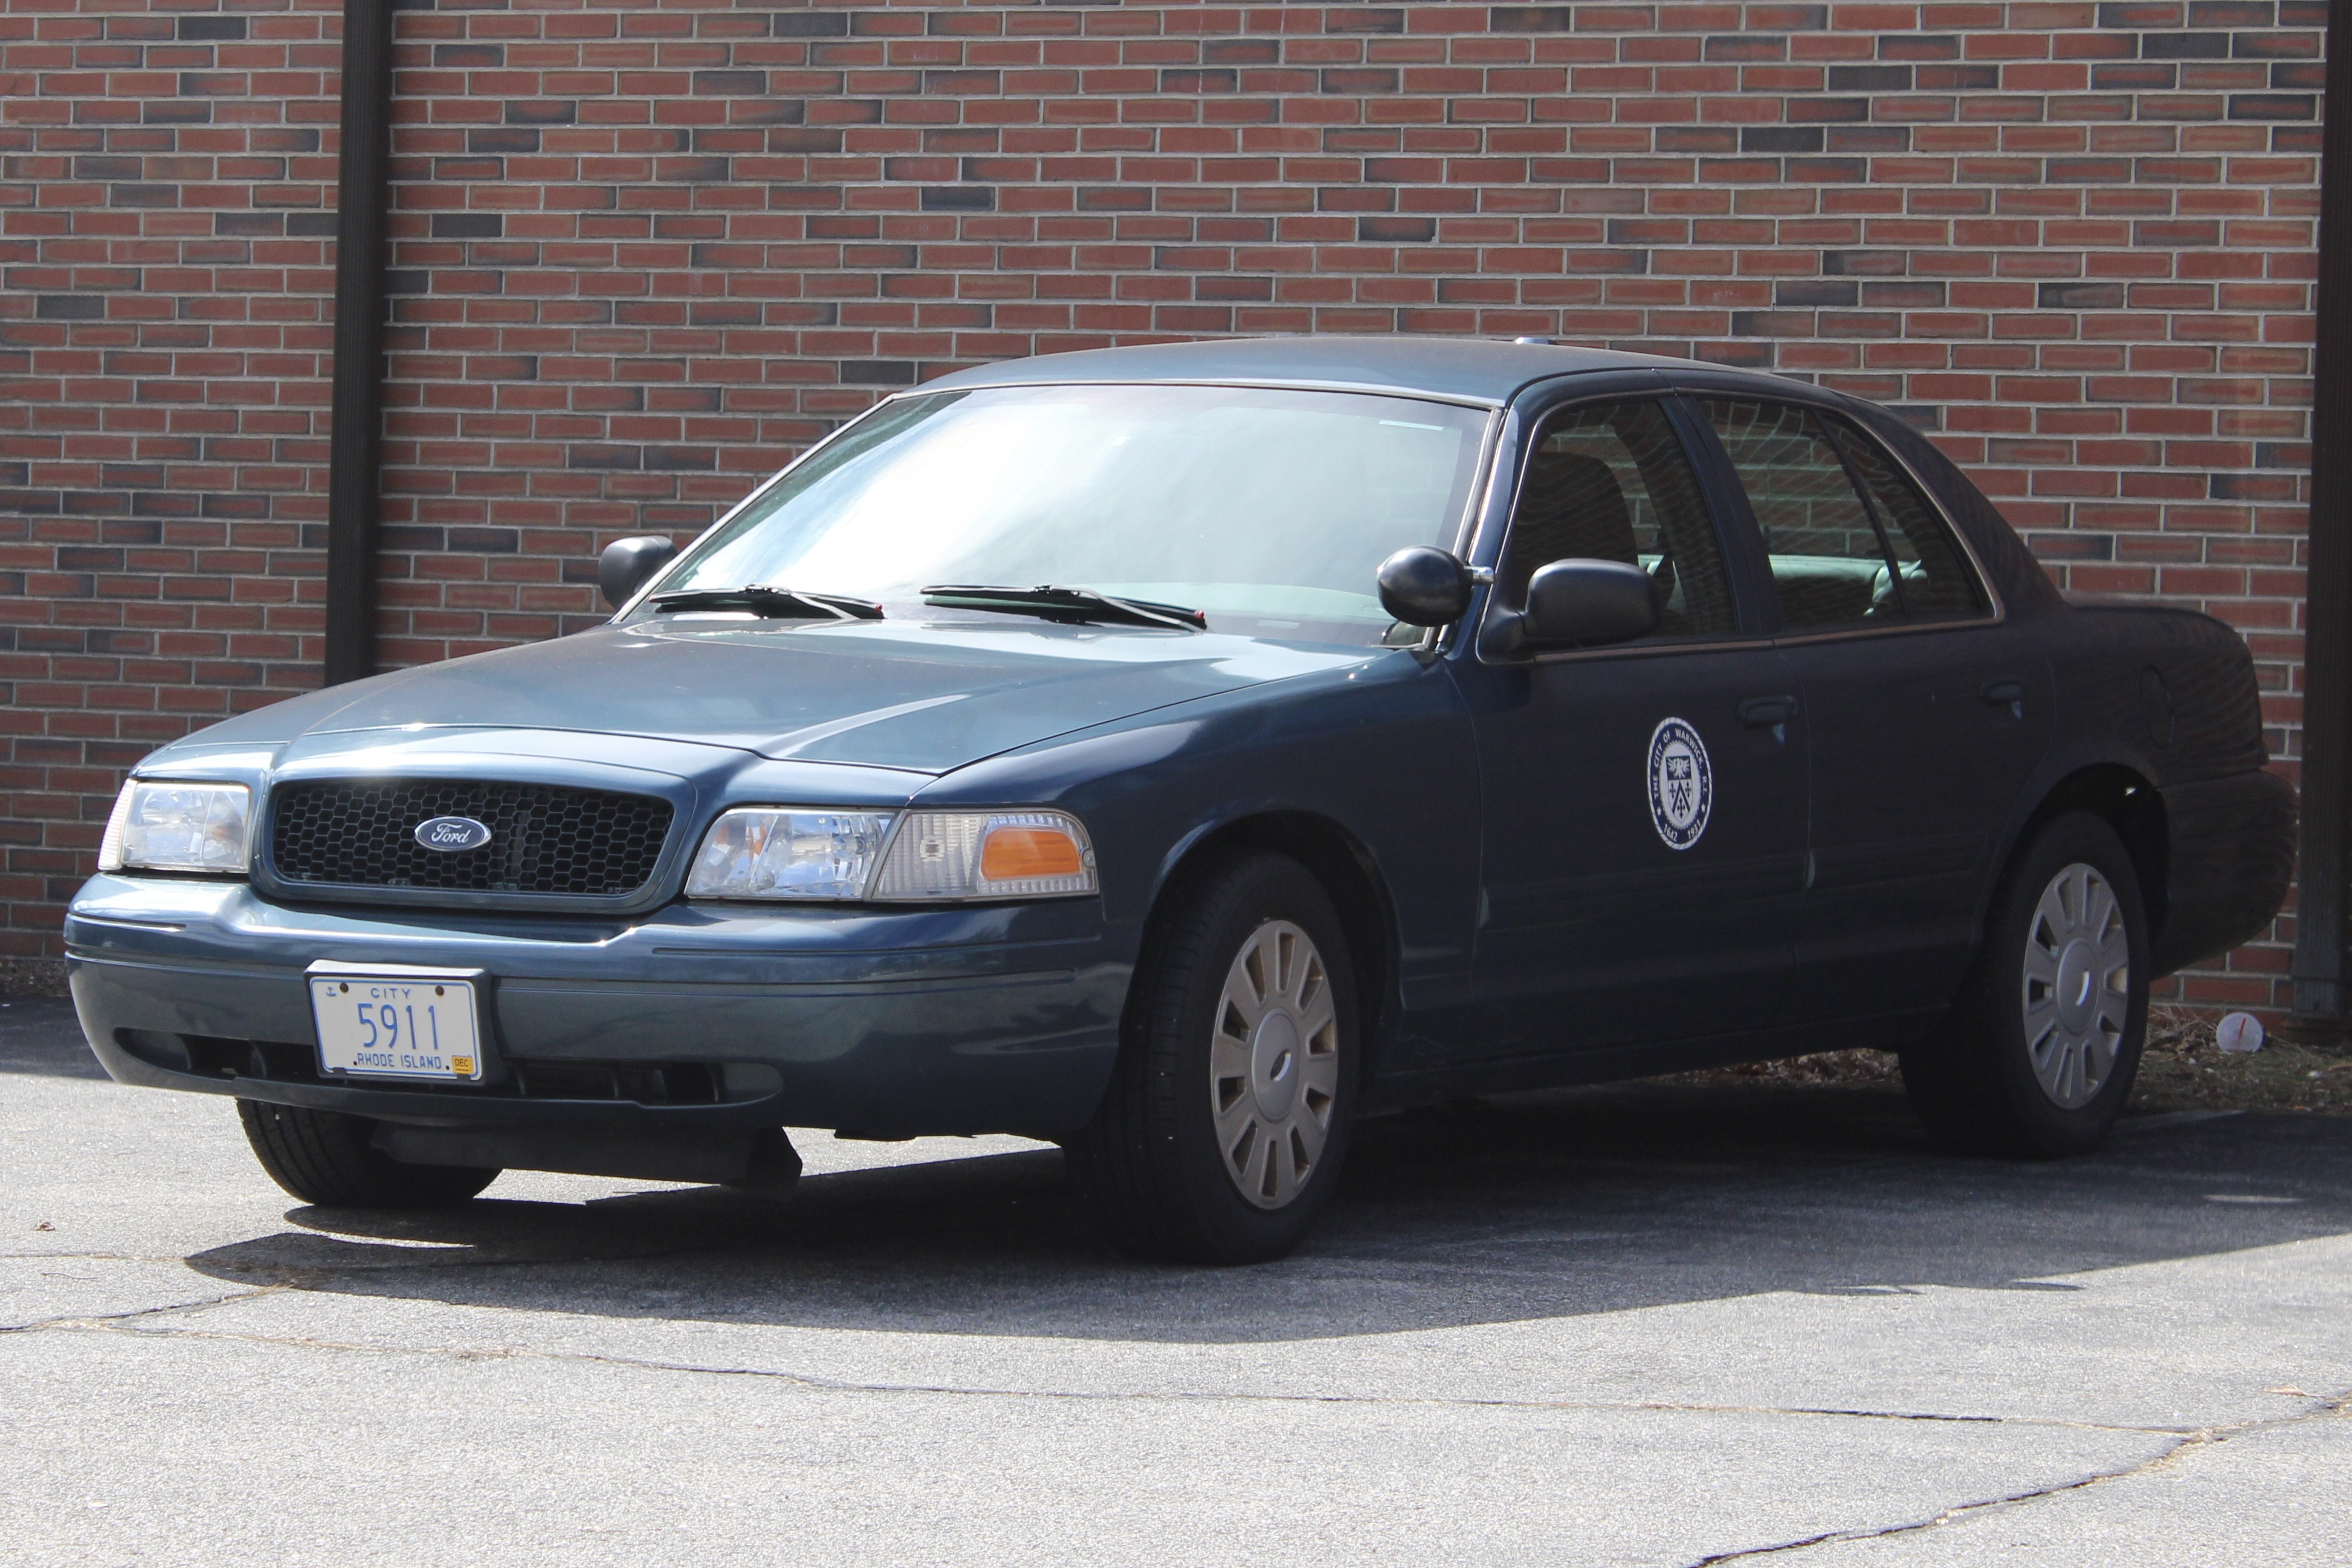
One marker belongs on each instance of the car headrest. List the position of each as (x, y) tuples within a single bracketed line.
[(1571, 505)]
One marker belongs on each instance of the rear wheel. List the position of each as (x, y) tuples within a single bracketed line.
[(1220, 1136), (328, 1158), (2041, 1051)]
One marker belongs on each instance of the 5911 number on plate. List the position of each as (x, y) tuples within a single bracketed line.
[(398, 1028)]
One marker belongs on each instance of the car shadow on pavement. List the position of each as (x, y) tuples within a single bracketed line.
[(1530, 1207)]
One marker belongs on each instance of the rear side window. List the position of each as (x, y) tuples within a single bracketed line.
[(1611, 482), (1933, 578), (1850, 542)]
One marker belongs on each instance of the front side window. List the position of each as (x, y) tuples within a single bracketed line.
[(1268, 510), (1850, 542), (1611, 482)]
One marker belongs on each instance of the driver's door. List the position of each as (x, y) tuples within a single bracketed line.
[(1645, 804)]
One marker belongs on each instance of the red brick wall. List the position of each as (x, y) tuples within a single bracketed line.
[(646, 251), (166, 203)]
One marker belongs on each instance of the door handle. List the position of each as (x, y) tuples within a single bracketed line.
[(2009, 694), (1756, 713)]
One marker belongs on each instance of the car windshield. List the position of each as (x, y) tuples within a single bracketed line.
[(1267, 509)]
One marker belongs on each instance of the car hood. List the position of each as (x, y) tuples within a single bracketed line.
[(927, 698)]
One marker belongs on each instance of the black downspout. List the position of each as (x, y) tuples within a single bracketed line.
[(355, 448), (2319, 933)]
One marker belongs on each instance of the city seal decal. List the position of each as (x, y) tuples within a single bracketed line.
[(451, 834), (1682, 785)]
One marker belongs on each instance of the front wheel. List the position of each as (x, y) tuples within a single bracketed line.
[(328, 1158), (1220, 1136), (2039, 1055)]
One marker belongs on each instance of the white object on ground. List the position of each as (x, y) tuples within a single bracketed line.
[(2239, 1033)]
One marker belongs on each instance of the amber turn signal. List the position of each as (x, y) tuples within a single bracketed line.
[(1011, 852), (1001, 853)]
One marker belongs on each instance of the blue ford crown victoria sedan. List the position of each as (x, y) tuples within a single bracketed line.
[(1182, 752)]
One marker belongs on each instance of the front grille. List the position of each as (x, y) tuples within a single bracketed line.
[(543, 839)]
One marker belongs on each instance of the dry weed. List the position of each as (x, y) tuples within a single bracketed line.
[(2181, 1070)]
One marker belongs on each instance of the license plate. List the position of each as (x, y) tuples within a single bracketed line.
[(397, 1026)]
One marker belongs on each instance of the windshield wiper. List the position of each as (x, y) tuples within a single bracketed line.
[(1068, 605), (775, 603)]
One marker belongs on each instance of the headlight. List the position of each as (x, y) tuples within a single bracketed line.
[(789, 854), (163, 825), (933, 856)]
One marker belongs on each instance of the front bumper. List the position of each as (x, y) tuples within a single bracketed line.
[(687, 1021)]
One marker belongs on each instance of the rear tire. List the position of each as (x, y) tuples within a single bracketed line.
[(1220, 1136), (327, 1158), (2039, 1055)]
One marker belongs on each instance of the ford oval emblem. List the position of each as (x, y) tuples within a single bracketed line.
[(453, 833)]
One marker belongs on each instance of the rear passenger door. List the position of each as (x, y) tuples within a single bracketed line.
[(1927, 712)]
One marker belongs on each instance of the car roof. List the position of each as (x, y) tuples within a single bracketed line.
[(1471, 370)]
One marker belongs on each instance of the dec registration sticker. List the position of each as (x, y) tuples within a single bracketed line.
[(397, 1026)]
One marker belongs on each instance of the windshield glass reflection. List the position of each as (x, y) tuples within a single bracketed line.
[(1268, 510)]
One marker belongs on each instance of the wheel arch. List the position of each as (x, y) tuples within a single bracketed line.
[(2129, 802), (1345, 867)]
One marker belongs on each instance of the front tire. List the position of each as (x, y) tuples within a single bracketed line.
[(2040, 1053), (1228, 1116), (327, 1158)]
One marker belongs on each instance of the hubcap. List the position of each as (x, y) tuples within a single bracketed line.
[(1274, 1064), (2077, 985)]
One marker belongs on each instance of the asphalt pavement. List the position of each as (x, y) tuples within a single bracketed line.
[(1635, 1325)]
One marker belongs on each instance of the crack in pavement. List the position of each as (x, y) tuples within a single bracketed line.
[(108, 1320), (126, 1323), (2189, 1442), (439, 1255), (91, 1258)]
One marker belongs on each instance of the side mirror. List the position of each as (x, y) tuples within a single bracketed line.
[(628, 565), (1422, 585), (1588, 605)]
